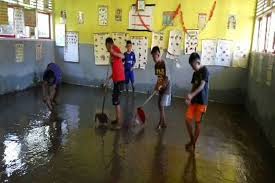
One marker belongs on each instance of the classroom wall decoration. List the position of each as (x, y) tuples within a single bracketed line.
[(4, 19), (63, 17), (141, 5), (71, 50), (175, 42), (39, 51), (224, 53), (208, 55), (19, 24), (103, 15), (141, 20), (80, 17), (202, 20), (60, 31), (118, 15), (158, 40), (30, 17), (120, 39), (102, 56), (140, 47), (167, 18), (19, 52), (240, 55), (191, 41), (232, 21)]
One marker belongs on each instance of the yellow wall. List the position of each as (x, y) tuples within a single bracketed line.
[(216, 28)]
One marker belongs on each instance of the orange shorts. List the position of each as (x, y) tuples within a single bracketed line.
[(195, 112)]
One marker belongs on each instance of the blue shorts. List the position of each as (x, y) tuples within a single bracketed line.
[(129, 76)]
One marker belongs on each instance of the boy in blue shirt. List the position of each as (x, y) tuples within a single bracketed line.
[(129, 62)]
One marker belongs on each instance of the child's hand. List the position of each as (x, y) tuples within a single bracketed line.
[(189, 97), (187, 102)]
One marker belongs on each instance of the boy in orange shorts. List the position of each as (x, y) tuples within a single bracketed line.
[(197, 99)]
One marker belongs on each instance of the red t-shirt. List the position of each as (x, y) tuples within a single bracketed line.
[(117, 66)]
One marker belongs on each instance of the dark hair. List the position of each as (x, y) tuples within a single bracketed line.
[(155, 50), (128, 42), (194, 57), (109, 40), (48, 75)]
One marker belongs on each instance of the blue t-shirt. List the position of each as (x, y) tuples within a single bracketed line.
[(198, 77), (57, 73), (129, 61)]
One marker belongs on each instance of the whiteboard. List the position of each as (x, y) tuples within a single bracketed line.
[(71, 50)]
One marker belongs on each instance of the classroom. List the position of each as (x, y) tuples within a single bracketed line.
[(137, 91)]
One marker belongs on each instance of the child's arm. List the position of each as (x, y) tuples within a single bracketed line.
[(197, 90), (44, 89), (120, 55)]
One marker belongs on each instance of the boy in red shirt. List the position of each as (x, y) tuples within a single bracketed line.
[(118, 77)]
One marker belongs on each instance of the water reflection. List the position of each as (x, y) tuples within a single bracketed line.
[(190, 170)]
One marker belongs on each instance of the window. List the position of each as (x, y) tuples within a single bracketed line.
[(264, 33), (43, 25)]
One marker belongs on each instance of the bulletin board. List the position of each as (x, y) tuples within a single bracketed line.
[(140, 48), (120, 39), (71, 49), (224, 53), (208, 54), (158, 40), (175, 44), (102, 56)]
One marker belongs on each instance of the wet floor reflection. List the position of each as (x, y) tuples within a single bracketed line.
[(63, 146)]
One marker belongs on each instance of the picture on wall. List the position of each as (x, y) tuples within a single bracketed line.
[(63, 17), (167, 18), (175, 42), (103, 15), (80, 17), (102, 56), (19, 23), (141, 21), (141, 5), (202, 20), (240, 55), (208, 55), (224, 53), (118, 15), (19, 52), (4, 20), (120, 39), (232, 21), (158, 40), (191, 41), (30, 17), (71, 49), (39, 51), (140, 48)]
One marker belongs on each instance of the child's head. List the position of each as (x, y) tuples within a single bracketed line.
[(195, 61), (129, 45), (156, 54), (109, 43), (49, 77)]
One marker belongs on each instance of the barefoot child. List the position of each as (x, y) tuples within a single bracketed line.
[(129, 62), (51, 83), (163, 85), (118, 77), (197, 99)]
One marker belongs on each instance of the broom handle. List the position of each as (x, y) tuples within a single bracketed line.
[(149, 98)]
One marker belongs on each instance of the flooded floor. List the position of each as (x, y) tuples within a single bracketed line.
[(64, 146)]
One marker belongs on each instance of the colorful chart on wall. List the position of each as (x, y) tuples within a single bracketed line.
[(71, 49), (39, 51), (240, 55), (191, 41), (120, 39), (60, 31), (158, 40), (19, 52), (137, 20), (269, 59), (102, 56), (175, 42), (224, 53), (140, 47), (208, 55), (30, 17), (103, 15), (4, 19), (19, 23)]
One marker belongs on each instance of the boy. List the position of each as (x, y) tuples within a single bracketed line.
[(197, 99), (51, 82), (129, 62), (118, 77), (163, 85)]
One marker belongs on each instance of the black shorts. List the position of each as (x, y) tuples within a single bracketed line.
[(118, 88)]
